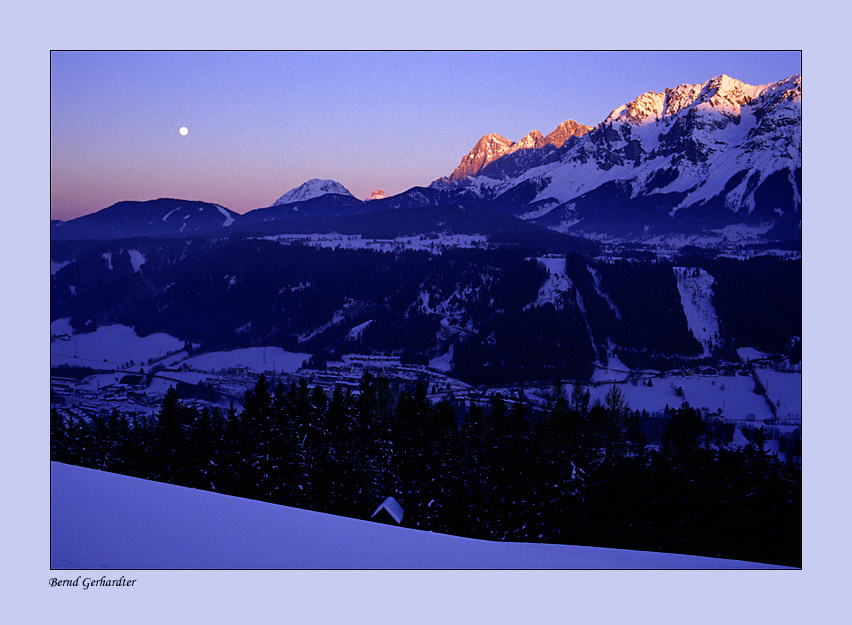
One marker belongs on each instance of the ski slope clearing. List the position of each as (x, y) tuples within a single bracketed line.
[(556, 284), (114, 345), (696, 296), (356, 332), (103, 520)]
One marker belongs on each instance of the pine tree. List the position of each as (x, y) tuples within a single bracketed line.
[(59, 438)]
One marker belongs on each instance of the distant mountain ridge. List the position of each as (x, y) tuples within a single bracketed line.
[(718, 159), (151, 218)]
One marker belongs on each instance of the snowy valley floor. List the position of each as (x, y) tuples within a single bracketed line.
[(103, 520)]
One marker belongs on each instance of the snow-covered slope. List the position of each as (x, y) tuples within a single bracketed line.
[(102, 520), (311, 189)]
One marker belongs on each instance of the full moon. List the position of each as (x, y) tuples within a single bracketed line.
[(183, 130)]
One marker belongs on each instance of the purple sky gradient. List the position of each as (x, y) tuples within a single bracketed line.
[(263, 123)]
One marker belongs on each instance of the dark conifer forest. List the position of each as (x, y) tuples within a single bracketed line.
[(596, 475)]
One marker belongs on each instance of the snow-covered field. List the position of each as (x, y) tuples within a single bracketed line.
[(61, 327), (784, 390), (116, 345), (254, 358), (103, 520), (99, 380), (113, 345), (749, 353), (733, 395), (443, 362), (614, 370)]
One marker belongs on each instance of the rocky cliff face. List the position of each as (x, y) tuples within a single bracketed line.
[(489, 148), (565, 131)]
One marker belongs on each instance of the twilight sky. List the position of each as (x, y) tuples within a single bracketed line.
[(261, 123)]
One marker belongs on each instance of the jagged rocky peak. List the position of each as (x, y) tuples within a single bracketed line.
[(533, 139), (646, 108), (775, 94), (492, 146), (491, 142), (311, 189), (565, 131)]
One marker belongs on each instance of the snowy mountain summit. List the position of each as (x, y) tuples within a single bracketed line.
[(311, 189)]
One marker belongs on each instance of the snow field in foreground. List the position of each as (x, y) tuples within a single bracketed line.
[(103, 520)]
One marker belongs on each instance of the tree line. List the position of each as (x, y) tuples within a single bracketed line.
[(573, 473)]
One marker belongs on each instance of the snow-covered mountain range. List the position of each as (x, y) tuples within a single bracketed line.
[(721, 159), (693, 157)]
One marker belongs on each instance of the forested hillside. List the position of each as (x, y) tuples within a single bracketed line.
[(505, 315)]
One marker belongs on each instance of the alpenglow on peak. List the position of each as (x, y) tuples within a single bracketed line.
[(492, 146)]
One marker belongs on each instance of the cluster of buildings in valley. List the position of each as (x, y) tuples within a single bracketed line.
[(141, 393), (75, 398), (672, 246)]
